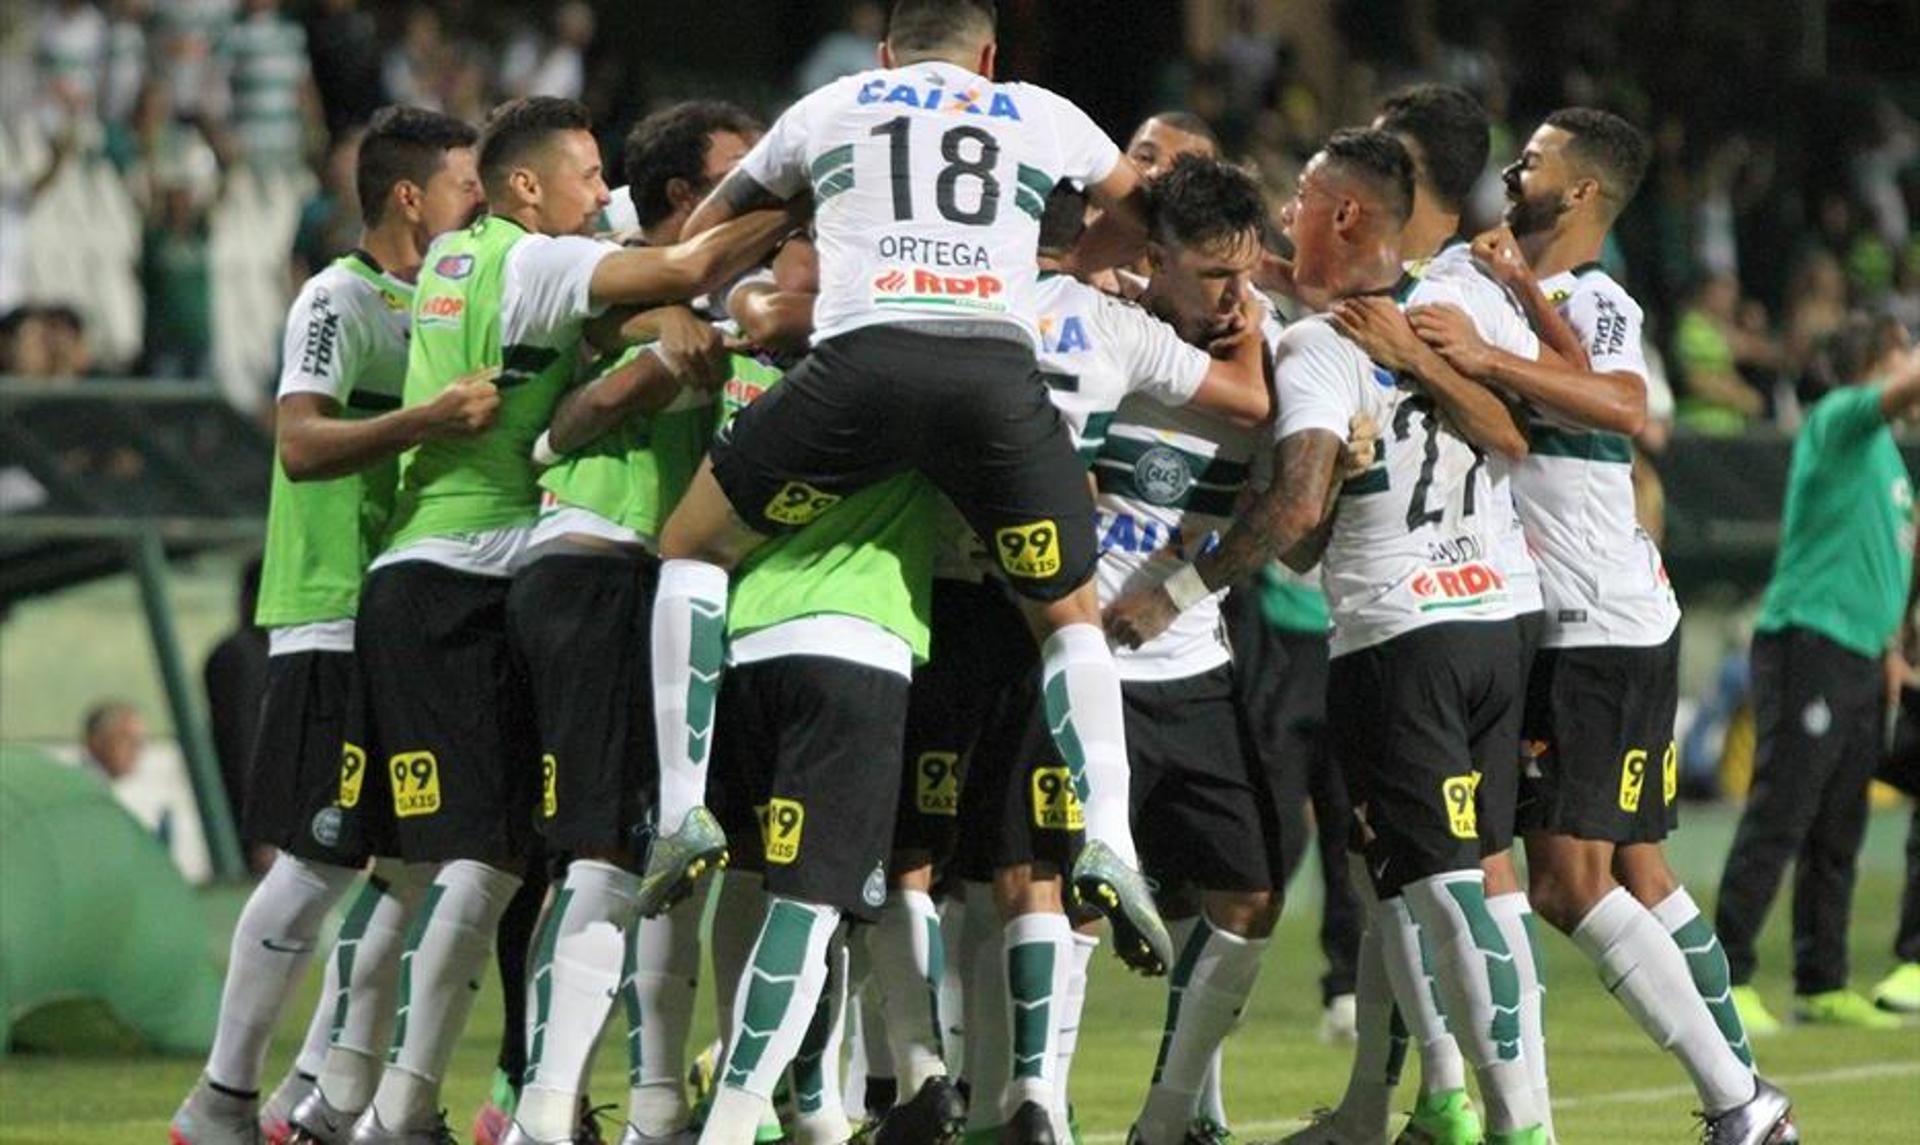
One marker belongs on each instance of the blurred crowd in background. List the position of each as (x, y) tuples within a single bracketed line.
[(171, 169)]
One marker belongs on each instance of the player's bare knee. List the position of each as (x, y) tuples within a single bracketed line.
[(910, 870), (1243, 914)]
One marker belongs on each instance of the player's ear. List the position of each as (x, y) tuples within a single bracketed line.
[(988, 55), (525, 184), (680, 194), (1156, 255), (1584, 192), (886, 56), (408, 196)]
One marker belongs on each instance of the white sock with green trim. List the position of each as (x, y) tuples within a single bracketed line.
[(312, 1057), (1208, 988), (367, 953), (1039, 956), (772, 1012), (1072, 1005), (1707, 962), (576, 976), (1514, 916), (953, 983), (819, 1115), (905, 951), (1081, 689), (663, 975), (689, 632), (989, 1022), (440, 974), (272, 942), (1408, 968), (1640, 965), (1480, 987)]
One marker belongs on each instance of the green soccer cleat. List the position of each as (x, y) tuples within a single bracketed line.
[(1103, 882), (1754, 1015), (1842, 1008), (1444, 1118), (675, 862), (1899, 992)]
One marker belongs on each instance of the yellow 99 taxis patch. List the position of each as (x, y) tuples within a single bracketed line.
[(353, 772), (781, 825), (1633, 778), (416, 783), (798, 502), (937, 783), (1670, 773), (549, 793), (1031, 551), (1056, 806), (1456, 791)]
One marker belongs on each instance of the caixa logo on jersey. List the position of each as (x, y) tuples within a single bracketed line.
[(938, 97), (1456, 587), (917, 287)]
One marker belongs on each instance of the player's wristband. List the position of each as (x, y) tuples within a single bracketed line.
[(1185, 588), (543, 454)]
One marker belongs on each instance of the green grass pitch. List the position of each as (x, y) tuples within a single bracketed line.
[(1610, 1084)]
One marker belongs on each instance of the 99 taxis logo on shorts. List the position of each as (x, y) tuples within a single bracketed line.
[(1633, 777), (937, 783), (782, 822), (798, 503), (1056, 806), (416, 783), (1456, 792), (353, 772), (1031, 551)]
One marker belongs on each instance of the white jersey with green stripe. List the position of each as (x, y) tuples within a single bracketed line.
[(1167, 481), (1502, 324), (1413, 541), (1601, 574), (929, 183)]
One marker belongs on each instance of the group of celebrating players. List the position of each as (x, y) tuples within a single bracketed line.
[(860, 523)]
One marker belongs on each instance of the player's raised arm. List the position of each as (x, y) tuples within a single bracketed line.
[(1613, 400), (694, 266), (1378, 327)]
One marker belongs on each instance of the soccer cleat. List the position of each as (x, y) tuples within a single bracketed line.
[(1754, 1015), (316, 1122), (211, 1117), (1029, 1125), (675, 862), (1323, 1128), (1103, 882), (276, 1116), (369, 1131), (936, 1115), (1899, 992), (1207, 1131), (1842, 1008), (1444, 1118), (632, 1136), (1766, 1119), (1338, 1020)]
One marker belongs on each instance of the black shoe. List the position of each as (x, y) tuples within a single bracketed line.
[(1029, 1125), (937, 1115)]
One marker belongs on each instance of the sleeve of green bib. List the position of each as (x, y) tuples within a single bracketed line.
[(1848, 416)]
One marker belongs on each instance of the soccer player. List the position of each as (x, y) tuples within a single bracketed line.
[(1164, 137), (1600, 702), (930, 180), (448, 720), (339, 429), (1421, 698), (1828, 636)]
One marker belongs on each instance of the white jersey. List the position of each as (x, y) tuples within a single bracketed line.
[(1168, 480), (1413, 543), (928, 183), (1503, 325), (1600, 572), (346, 337)]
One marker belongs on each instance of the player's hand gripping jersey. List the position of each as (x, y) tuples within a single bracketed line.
[(929, 183), (1413, 543)]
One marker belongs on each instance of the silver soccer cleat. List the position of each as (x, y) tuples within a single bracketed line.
[(1766, 1119)]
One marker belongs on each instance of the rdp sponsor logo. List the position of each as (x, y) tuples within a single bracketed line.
[(442, 308), (1456, 587), (925, 288)]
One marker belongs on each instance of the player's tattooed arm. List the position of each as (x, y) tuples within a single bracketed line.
[(736, 195), (1615, 400), (1378, 327), (1278, 518)]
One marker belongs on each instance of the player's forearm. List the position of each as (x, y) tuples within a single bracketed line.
[(1116, 237), (1615, 401), (1548, 324), (657, 275), (319, 448), (585, 414), (1236, 388), (1477, 412), (1276, 523), (780, 320)]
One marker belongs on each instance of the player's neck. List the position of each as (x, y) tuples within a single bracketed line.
[(395, 247), (1427, 230), (1560, 249)]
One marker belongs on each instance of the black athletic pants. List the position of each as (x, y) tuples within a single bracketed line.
[(1818, 718)]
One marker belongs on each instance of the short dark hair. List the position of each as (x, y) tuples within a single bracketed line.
[(100, 715), (1862, 339), (1379, 159), (1614, 151), (923, 27), (1453, 133), (519, 127), (1184, 121), (403, 144), (1064, 218), (672, 144), (1201, 201)]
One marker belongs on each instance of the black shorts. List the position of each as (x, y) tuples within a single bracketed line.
[(971, 413), (1414, 722), (446, 719), (1497, 796), (299, 770), (806, 757), (1018, 804), (978, 635), (1599, 731), (580, 625), (1200, 818)]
